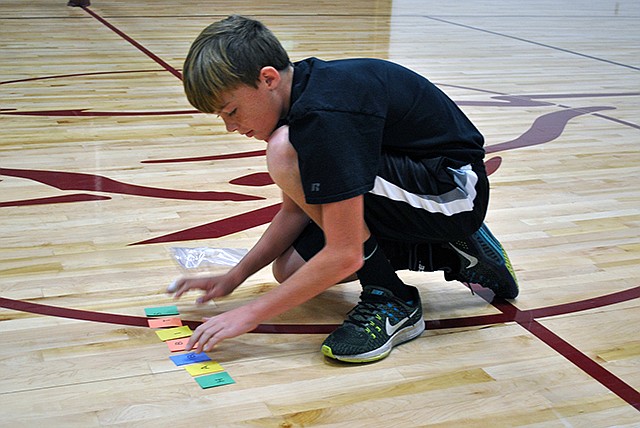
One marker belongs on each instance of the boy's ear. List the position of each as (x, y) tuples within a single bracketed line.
[(270, 76)]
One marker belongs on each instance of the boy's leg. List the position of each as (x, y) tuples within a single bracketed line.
[(375, 325), (364, 336), (390, 311), (310, 241), (478, 259), (442, 209)]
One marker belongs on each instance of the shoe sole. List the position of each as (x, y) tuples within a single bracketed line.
[(404, 335)]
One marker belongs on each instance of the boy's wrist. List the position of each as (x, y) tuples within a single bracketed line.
[(237, 274)]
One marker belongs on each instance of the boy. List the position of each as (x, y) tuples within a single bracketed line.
[(379, 171)]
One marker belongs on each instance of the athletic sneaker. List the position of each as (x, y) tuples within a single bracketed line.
[(484, 261), (378, 323)]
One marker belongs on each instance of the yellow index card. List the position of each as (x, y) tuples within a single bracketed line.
[(204, 368), (174, 333)]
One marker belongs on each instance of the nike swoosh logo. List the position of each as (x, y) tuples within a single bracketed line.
[(472, 260), (391, 329)]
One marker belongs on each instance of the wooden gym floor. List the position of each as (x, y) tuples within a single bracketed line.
[(104, 167)]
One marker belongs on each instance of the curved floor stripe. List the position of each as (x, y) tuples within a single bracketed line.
[(78, 181), (509, 313)]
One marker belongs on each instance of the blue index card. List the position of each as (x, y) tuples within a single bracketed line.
[(190, 358), (215, 379)]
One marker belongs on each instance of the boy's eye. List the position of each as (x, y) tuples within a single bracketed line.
[(227, 113)]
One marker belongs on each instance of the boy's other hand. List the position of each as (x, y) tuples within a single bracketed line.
[(212, 286)]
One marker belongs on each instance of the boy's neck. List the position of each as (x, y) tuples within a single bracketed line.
[(287, 84)]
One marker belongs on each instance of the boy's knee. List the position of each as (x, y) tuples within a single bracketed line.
[(286, 265), (278, 269)]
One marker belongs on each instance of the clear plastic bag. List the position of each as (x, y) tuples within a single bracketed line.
[(206, 259), (202, 260)]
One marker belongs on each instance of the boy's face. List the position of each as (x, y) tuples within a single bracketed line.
[(255, 112)]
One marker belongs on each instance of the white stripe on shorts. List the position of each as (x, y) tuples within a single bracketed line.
[(453, 202)]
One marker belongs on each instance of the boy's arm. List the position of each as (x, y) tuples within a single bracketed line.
[(344, 228), (285, 227), (283, 230)]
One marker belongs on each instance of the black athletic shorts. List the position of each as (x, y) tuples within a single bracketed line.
[(415, 207)]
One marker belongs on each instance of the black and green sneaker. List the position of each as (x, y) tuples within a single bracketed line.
[(374, 326), (484, 261)]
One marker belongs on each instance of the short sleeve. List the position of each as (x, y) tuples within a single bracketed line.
[(338, 153)]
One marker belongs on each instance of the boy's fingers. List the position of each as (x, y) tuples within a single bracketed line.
[(181, 288), (210, 344), (206, 297), (193, 340), (182, 285), (205, 338), (173, 287), (177, 287)]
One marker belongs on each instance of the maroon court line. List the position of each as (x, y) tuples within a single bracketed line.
[(65, 76), (93, 113), (144, 50), (78, 181), (240, 155), (508, 313), (616, 120), (586, 364), (219, 228), (596, 371), (80, 197), (137, 321)]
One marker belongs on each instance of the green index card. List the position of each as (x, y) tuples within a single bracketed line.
[(161, 311), (215, 379)]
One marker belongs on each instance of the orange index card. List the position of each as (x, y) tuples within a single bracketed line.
[(165, 322), (204, 368), (174, 333), (176, 345)]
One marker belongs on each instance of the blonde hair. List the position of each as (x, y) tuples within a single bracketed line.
[(227, 54)]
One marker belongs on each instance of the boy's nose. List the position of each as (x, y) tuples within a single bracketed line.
[(230, 125)]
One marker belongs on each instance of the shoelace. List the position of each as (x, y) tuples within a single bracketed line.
[(364, 311), (361, 314)]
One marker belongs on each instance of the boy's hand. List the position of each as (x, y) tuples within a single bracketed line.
[(213, 286), (224, 326)]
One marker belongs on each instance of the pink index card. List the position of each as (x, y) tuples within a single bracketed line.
[(177, 344), (165, 322)]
